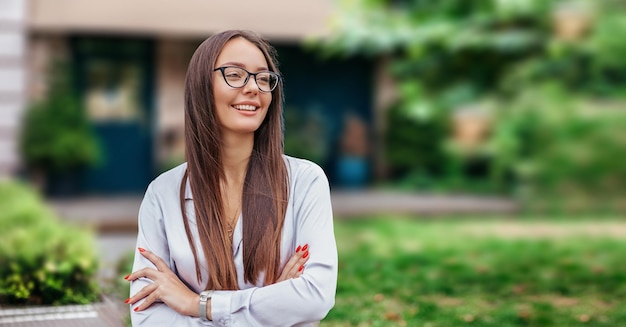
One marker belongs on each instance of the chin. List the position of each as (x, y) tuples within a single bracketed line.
[(245, 129)]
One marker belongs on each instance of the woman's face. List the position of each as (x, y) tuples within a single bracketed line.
[(240, 110)]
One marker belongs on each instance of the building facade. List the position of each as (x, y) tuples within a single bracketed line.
[(129, 61), (12, 80)]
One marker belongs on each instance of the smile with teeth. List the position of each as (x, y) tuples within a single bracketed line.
[(245, 107)]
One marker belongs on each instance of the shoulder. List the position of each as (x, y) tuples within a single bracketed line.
[(302, 171), (297, 166), (168, 181)]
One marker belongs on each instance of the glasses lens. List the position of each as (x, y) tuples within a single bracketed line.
[(235, 77), (266, 81)]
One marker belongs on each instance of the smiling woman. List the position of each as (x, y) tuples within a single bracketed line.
[(240, 234), (249, 97)]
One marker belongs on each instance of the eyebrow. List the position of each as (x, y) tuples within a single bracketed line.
[(238, 64)]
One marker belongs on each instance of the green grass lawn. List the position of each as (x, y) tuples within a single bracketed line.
[(477, 272)]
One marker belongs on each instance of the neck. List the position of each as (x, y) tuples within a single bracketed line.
[(236, 153)]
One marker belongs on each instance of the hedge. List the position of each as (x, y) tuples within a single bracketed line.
[(42, 260)]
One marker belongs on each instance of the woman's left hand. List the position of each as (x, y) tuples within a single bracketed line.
[(166, 288)]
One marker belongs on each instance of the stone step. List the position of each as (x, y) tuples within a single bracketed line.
[(103, 314)]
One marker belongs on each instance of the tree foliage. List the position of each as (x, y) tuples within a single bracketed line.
[(498, 55), (56, 134)]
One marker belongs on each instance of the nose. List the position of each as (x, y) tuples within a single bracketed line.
[(251, 85)]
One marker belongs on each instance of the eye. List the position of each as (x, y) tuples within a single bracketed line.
[(234, 73), (264, 78)]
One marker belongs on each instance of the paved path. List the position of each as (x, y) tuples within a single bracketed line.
[(107, 313), (120, 213)]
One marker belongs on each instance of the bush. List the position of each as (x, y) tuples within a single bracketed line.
[(413, 145), (56, 134), (558, 145), (41, 260)]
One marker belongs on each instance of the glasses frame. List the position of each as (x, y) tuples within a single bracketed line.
[(245, 82)]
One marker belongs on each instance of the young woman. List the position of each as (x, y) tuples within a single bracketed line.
[(240, 234)]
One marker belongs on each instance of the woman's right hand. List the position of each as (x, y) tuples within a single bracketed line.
[(295, 266)]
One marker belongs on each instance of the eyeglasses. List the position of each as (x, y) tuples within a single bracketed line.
[(237, 77)]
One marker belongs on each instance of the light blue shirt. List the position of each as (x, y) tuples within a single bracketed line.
[(294, 302)]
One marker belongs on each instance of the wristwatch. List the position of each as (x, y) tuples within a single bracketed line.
[(204, 297)]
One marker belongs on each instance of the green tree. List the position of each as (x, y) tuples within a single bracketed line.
[(56, 135), (452, 54)]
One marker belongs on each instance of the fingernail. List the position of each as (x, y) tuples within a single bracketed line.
[(301, 267), (306, 254), (127, 276), (127, 300), (141, 249), (136, 308), (306, 246), (298, 249)]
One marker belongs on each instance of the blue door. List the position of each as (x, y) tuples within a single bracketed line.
[(115, 79), (321, 97)]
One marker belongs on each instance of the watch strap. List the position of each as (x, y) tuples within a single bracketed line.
[(204, 297)]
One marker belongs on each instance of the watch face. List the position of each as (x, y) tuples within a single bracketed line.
[(205, 296)]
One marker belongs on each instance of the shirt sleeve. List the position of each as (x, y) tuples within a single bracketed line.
[(152, 236), (300, 300)]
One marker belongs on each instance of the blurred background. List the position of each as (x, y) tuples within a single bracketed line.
[(474, 145)]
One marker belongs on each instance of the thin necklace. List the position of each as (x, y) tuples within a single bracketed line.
[(232, 223)]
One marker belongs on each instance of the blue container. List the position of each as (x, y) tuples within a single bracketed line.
[(352, 172)]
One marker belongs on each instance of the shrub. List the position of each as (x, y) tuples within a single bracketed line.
[(56, 133), (42, 261), (413, 144), (558, 145)]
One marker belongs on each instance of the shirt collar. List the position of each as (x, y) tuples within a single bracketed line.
[(188, 195)]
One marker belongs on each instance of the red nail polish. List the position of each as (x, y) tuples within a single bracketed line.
[(306, 254), (126, 277), (141, 249), (306, 246), (127, 300), (136, 308), (301, 267), (298, 249)]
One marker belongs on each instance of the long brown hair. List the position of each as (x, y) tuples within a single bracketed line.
[(265, 189)]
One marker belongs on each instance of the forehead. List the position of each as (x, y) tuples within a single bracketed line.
[(242, 52)]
